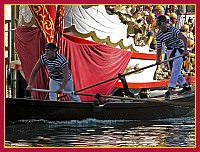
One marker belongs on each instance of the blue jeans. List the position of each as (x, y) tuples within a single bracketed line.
[(176, 75), (55, 85)]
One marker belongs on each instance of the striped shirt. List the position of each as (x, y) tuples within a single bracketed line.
[(170, 38), (55, 66)]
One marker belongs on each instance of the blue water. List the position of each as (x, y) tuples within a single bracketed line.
[(179, 132)]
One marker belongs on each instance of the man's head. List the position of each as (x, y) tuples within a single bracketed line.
[(159, 10), (185, 28), (151, 18), (162, 23), (50, 50), (173, 18), (173, 8), (50, 46)]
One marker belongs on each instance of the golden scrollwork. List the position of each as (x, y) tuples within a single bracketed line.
[(44, 20)]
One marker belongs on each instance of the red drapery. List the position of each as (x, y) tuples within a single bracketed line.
[(59, 25), (29, 46), (90, 62), (93, 63)]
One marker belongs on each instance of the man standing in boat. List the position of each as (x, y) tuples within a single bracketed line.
[(176, 44), (59, 73)]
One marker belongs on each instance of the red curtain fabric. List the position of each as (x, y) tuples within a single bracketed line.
[(92, 63), (59, 25), (29, 46), (89, 62)]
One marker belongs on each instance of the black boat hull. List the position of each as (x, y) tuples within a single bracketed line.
[(18, 109)]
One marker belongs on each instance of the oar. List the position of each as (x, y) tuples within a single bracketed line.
[(185, 104), (50, 91), (170, 59)]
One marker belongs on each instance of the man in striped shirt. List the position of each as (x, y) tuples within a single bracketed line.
[(59, 73), (176, 44)]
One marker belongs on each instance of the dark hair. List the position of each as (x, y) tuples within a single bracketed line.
[(50, 46), (162, 17)]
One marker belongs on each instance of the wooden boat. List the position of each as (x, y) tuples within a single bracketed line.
[(112, 109), (129, 108)]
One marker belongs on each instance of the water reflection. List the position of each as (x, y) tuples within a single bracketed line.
[(93, 133)]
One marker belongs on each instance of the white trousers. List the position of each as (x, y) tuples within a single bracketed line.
[(55, 85), (176, 75)]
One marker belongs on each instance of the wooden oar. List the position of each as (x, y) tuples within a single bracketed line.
[(50, 91), (185, 104), (170, 59)]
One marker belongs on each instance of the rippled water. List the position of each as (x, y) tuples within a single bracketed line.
[(168, 133)]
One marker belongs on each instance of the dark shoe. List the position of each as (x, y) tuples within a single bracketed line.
[(167, 95), (172, 89), (185, 90)]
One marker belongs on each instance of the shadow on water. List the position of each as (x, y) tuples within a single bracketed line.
[(92, 133)]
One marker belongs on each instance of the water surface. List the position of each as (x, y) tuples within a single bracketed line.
[(179, 132)]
